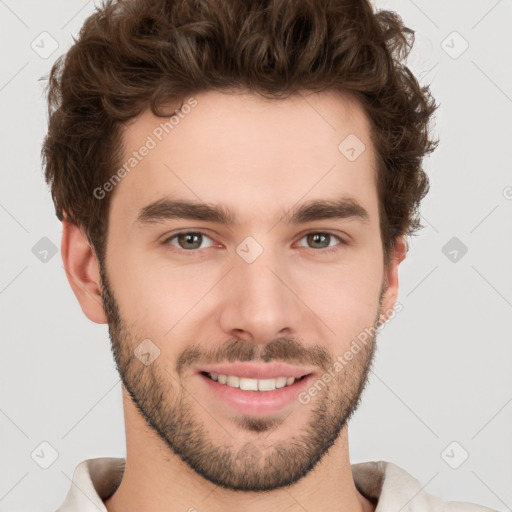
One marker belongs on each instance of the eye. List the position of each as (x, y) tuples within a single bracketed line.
[(321, 240), (187, 240), (192, 241)]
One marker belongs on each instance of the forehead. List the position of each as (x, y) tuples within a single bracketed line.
[(250, 153)]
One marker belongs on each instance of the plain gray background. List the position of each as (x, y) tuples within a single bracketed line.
[(441, 387)]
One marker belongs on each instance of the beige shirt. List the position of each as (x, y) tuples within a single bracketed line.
[(95, 480)]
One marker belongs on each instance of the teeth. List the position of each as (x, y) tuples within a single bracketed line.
[(247, 384), (233, 381)]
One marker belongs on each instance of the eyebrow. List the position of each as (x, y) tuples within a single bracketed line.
[(166, 208)]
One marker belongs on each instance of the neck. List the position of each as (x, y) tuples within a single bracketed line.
[(157, 480)]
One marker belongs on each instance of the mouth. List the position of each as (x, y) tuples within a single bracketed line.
[(250, 384), (255, 389), (256, 370)]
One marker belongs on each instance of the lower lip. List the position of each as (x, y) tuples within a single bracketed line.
[(257, 403)]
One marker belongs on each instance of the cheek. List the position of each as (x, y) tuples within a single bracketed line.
[(155, 294), (345, 295), (346, 302)]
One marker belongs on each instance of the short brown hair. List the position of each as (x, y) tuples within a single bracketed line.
[(139, 54)]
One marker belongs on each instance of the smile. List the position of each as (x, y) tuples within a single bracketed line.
[(248, 384)]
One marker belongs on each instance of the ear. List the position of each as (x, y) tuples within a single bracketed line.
[(397, 255), (82, 271)]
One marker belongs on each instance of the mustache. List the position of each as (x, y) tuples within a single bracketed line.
[(285, 350)]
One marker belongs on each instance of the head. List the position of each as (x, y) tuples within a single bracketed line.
[(269, 118)]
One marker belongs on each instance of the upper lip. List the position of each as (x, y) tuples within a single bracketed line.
[(257, 370)]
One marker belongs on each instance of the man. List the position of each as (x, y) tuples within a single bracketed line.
[(236, 181)]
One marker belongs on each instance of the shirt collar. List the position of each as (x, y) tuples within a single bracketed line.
[(95, 480)]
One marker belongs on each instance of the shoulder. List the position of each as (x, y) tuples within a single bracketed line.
[(390, 487)]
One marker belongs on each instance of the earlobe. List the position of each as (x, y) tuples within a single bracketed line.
[(82, 271), (397, 255)]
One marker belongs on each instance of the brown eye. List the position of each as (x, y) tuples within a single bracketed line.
[(318, 240), (188, 240), (323, 242)]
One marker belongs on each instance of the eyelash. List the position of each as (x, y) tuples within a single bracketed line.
[(193, 252)]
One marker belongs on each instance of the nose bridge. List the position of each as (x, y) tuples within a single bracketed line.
[(257, 268), (257, 302)]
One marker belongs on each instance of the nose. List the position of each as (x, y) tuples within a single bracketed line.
[(258, 301)]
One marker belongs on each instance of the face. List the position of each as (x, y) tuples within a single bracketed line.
[(281, 290)]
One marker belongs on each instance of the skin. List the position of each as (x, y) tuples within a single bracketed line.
[(185, 448)]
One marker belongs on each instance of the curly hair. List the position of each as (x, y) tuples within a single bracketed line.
[(132, 55)]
